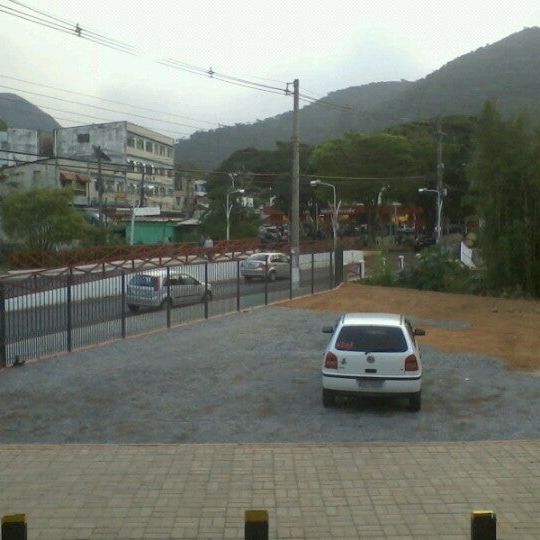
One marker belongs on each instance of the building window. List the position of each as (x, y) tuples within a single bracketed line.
[(161, 150), (131, 141), (140, 144), (83, 137), (169, 152), (130, 165), (149, 146), (148, 169)]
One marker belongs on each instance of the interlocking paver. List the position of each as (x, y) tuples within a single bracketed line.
[(337, 491)]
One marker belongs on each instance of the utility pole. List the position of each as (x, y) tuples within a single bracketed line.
[(141, 190), (440, 188), (295, 189), (100, 187)]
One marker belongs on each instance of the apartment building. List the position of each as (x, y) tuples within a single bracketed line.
[(49, 173), (23, 145), (135, 163)]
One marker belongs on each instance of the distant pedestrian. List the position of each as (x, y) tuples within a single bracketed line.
[(208, 246)]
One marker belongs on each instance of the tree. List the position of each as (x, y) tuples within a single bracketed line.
[(505, 183), (263, 174), (43, 219), (375, 158)]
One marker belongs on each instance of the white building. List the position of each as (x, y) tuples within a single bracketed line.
[(141, 160), (23, 145)]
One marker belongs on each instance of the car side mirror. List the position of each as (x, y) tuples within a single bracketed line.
[(419, 332), (327, 329)]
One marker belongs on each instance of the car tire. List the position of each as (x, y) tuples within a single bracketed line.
[(328, 398), (415, 402), (166, 304), (133, 308), (271, 276)]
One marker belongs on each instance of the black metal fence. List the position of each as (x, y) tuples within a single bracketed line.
[(48, 313)]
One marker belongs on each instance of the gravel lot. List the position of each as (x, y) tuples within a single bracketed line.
[(251, 377)]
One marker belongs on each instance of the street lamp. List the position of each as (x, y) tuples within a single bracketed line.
[(335, 207), (441, 193), (228, 207)]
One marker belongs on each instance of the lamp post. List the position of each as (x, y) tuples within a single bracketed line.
[(441, 193), (228, 207), (395, 204), (335, 207)]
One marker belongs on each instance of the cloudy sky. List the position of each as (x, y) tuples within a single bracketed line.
[(326, 45)]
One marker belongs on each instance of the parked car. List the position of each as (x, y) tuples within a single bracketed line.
[(154, 288), (257, 265), (269, 235), (372, 354)]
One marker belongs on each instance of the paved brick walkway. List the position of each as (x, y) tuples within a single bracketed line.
[(374, 491)]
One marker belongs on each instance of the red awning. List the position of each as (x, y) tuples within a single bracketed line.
[(83, 178), (68, 176)]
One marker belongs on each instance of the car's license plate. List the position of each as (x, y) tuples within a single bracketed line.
[(367, 382)]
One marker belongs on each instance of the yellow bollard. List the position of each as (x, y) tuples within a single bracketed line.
[(14, 527), (483, 525), (256, 526)]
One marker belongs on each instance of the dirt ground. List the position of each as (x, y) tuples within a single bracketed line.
[(499, 327)]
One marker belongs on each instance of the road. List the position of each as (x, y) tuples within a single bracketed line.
[(22, 324)]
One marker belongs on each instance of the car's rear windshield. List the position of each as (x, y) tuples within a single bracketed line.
[(257, 258), (144, 281), (371, 339)]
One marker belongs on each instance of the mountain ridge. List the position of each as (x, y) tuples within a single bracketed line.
[(17, 112), (507, 71)]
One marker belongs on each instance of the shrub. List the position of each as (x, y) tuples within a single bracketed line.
[(436, 270)]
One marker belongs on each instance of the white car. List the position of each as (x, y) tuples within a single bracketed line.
[(372, 354), (157, 288), (266, 265)]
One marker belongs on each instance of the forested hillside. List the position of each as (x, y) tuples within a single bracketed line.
[(507, 71)]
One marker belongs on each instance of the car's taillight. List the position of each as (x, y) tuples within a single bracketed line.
[(330, 361), (157, 283), (411, 363)]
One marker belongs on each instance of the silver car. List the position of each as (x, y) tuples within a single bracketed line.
[(372, 354), (155, 288), (266, 265)]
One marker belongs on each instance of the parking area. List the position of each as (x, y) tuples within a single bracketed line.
[(254, 377), (247, 386)]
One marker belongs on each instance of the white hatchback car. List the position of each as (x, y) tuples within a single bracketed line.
[(157, 288), (372, 354)]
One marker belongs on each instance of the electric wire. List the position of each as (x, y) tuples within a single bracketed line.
[(69, 23), (172, 122), (62, 28), (56, 23), (307, 177), (108, 100)]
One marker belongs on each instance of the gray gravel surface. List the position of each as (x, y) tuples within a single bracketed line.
[(252, 377)]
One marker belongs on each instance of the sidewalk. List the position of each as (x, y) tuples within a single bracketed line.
[(366, 490)]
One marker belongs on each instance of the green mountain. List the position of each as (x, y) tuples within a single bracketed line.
[(17, 112), (507, 71)]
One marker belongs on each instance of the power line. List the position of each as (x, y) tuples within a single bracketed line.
[(108, 100), (62, 25), (98, 107), (80, 114), (307, 177)]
